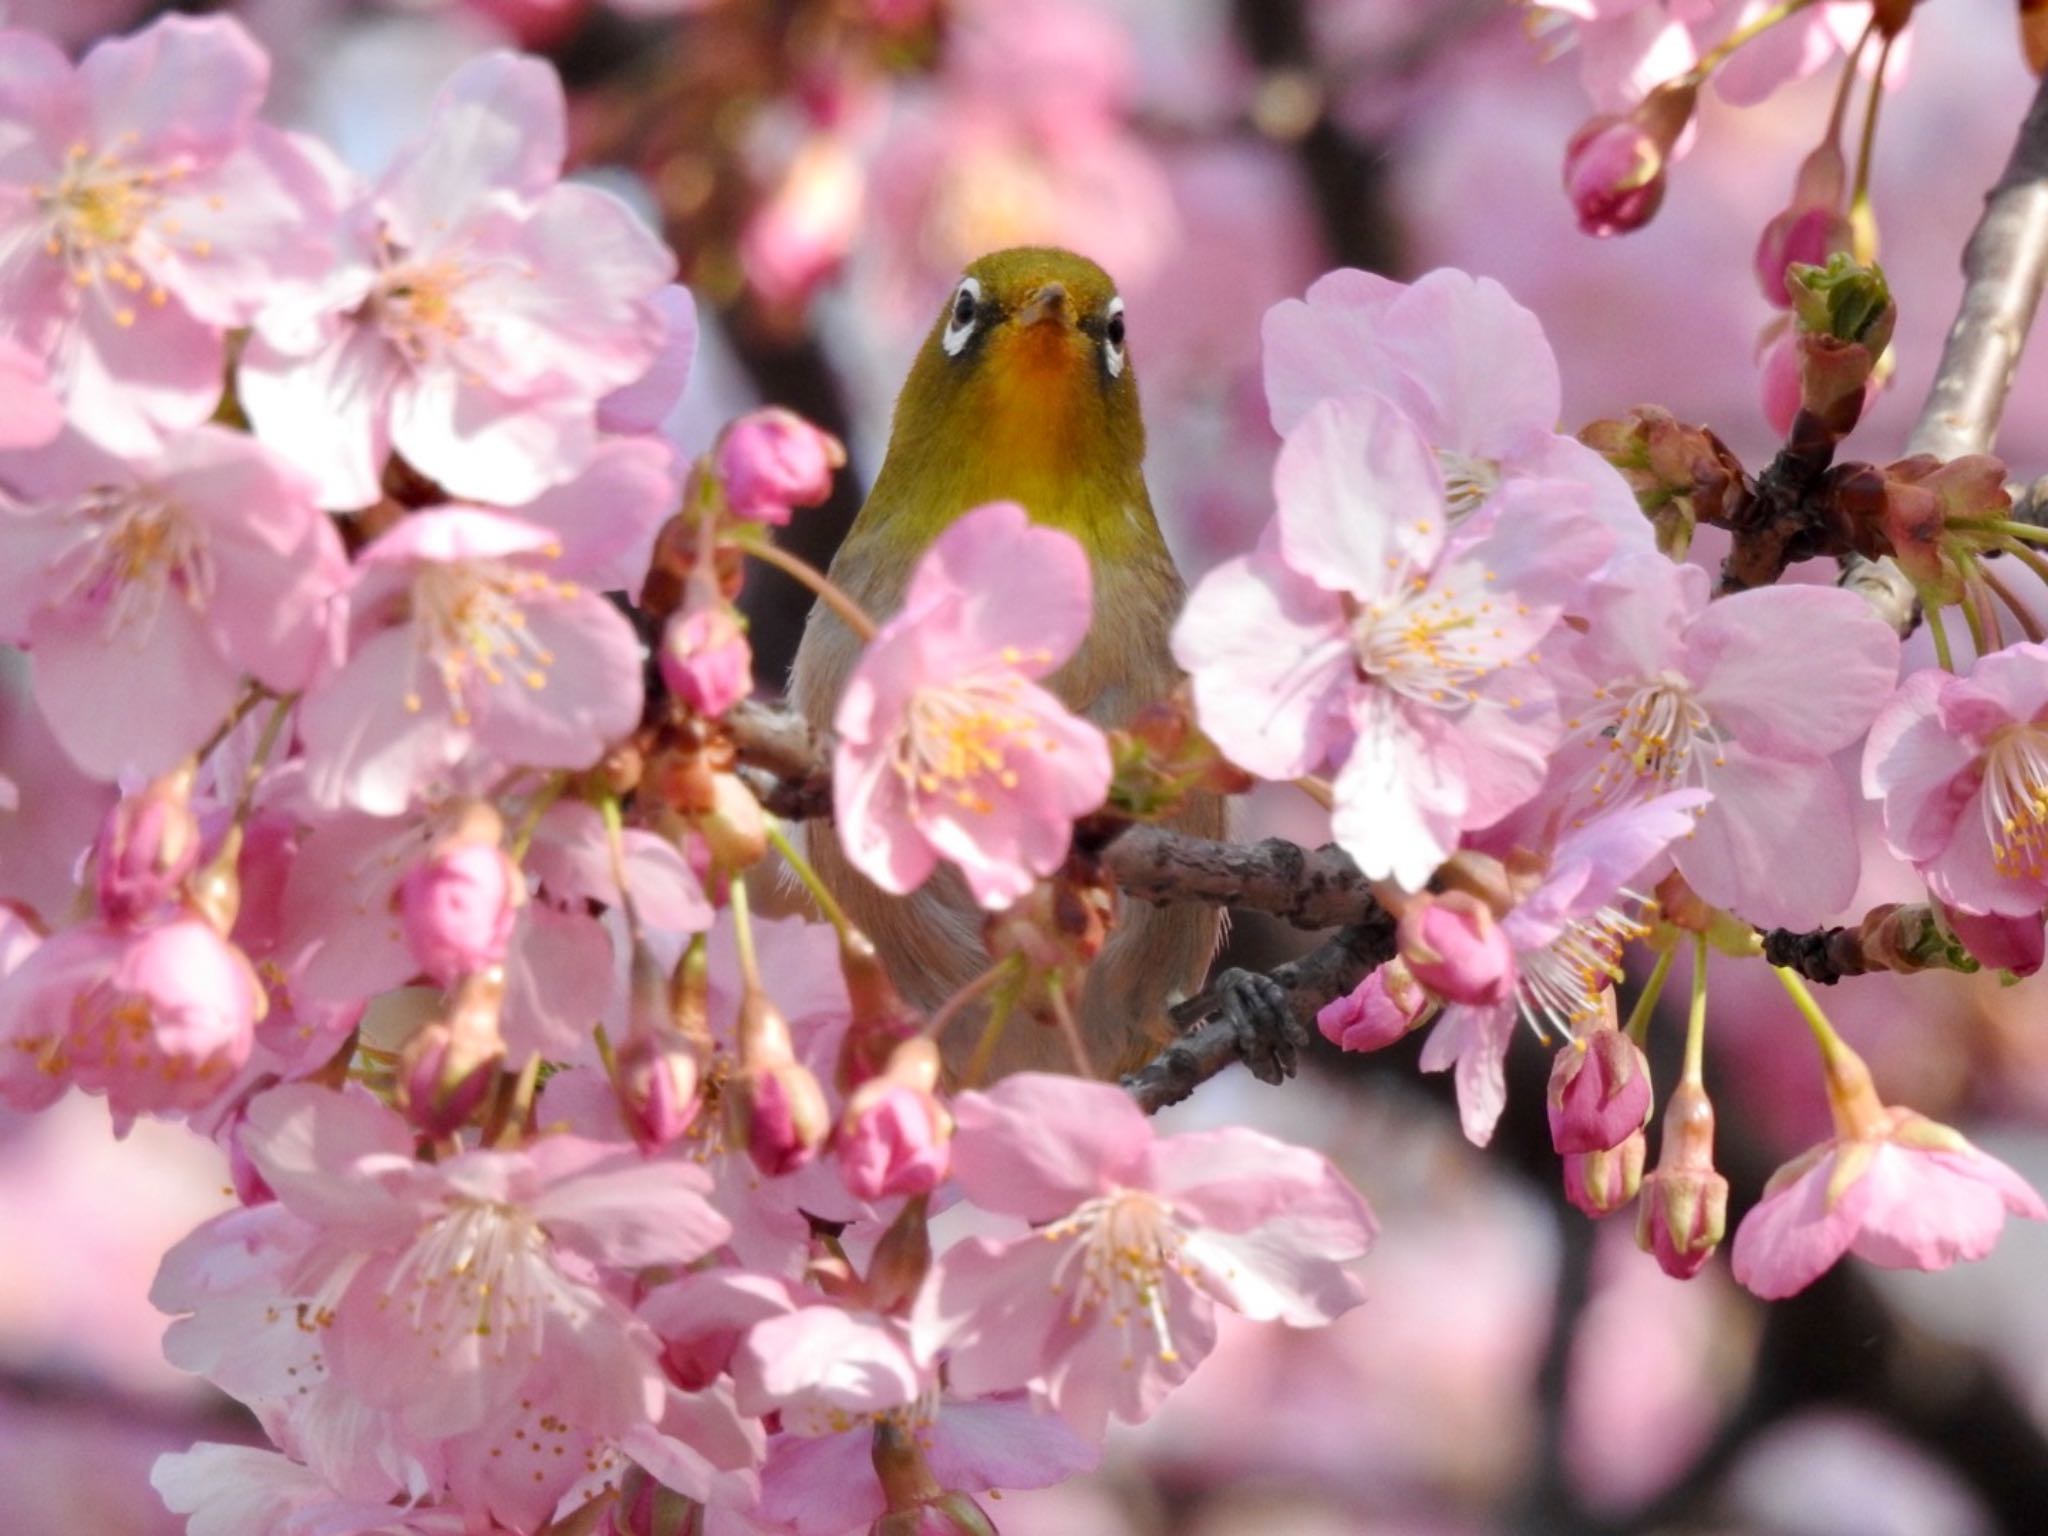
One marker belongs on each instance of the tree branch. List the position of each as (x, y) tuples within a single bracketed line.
[(1316, 890), (1319, 977), (2005, 266)]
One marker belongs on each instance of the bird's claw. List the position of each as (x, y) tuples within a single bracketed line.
[(1269, 1037)]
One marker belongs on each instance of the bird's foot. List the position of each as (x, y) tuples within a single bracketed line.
[(1269, 1037)]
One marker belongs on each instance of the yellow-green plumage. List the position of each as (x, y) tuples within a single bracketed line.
[(1030, 409)]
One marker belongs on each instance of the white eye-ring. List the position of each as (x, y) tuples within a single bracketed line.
[(963, 317), (1113, 337)]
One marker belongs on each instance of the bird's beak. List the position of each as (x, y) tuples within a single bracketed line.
[(1048, 303)]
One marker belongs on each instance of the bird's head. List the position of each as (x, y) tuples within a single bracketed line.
[(1024, 390)]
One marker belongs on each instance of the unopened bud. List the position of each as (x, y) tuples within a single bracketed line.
[(457, 907), (1454, 947), (450, 1063), (879, 1019), (645, 1508), (148, 845), (1614, 167), (903, 1257), (894, 1138), (772, 461), (1684, 1211), (1599, 1092), (1601, 1183), (705, 658), (656, 1082), (1380, 1010), (1812, 227)]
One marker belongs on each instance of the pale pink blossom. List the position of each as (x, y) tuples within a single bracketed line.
[(893, 1142), (799, 235), (1961, 766), (1675, 692), (478, 312), (772, 461), (458, 908), (238, 1490), (948, 747), (1469, 366), (33, 415), (1895, 1189), (646, 404), (1567, 929), (1362, 631), (1110, 1301), (147, 212), (146, 590), (158, 1019), (456, 1308), (466, 636), (820, 1365)]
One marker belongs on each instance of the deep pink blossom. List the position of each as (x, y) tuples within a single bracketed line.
[(1599, 1092), (1378, 1011), (147, 846), (1110, 1301), (158, 1019), (1677, 692), (893, 1141), (771, 462), (146, 212), (948, 747), (1614, 174), (705, 659), (146, 590), (1362, 632), (1453, 946), (458, 908), (1567, 928), (1961, 765), (466, 637), (1897, 1190), (478, 313)]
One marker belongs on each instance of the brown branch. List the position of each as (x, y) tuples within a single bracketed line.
[(2005, 266), (1317, 890), (1902, 937), (1319, 977)]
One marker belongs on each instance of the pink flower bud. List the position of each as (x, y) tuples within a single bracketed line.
[(1599, 1092), (786, 1116), (705, 659), (656, 1082), (1377, 1012), (645, 1508), (1684, 1212), (458, 907), (148, 845), (894, 1142), (1812, 226), (1452, 945), (450, 1063), (1601, 1183), (1614, 175), (1778, 378), (773, 461)]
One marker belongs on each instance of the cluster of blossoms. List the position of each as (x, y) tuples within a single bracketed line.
[(570, 1190)]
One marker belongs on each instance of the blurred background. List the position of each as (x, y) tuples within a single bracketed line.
[(822, 168)]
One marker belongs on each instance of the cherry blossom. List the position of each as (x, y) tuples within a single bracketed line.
[(948, 747), (478, 313), (146, 590), (1961, 766), (1677, 692), (466, 635), (1361, 631), (150, 212), (1110, 1302)]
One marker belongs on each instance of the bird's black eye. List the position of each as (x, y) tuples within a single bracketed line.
[(962, 318), (1115, 330)]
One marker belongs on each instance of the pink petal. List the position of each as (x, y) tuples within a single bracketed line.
[(326, 411), (1790, 1238), (631, 1214), (589, 695), (184, 86), (1475, 1041), (1477, 375), (1327, 346), (824, 1358), (1778, 845), (319, 1148), (1360, 498), (1928, 1210), (1004, 1442), (1919, 769), (1021, 588), (1750, 658), (645, 404), (487, 446), (125, 386), (604, 520), (364, 748), (1036, 1145), (498, 125)]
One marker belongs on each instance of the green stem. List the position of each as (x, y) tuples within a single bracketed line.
[(1712, 59), (1696, 1017), (251, 697), (743, 934), (1840, 109), (545, 796), (1942, 654), (801, 868), (265, 744), (991, 1033), (2005, 527), (968, 995), (1860, 217), (1638, 1025), (1833, 1049)]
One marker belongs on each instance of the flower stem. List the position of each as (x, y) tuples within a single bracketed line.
[(545, 796), (1713, 58), (615, 843), (831, 593), (248, 701), (1861, 219), (1935, 629), (2022, 615), (1076, 1046), (991, 1034), (966, 996), (1638, 1025), (1696, 1017), (265, 744), (743, 934), (801, 868), (1832, 1046), (1318, 790), (1840, 109)]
